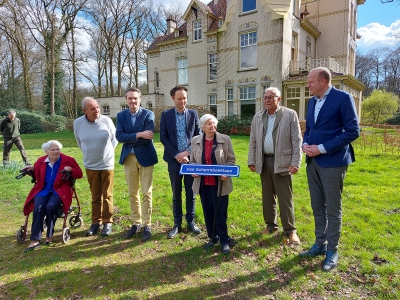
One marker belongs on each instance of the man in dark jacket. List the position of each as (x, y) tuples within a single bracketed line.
[(10, 129)]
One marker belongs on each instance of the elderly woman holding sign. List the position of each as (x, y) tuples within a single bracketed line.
[(213, 148)]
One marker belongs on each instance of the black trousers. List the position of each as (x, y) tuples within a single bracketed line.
[(211, 209)]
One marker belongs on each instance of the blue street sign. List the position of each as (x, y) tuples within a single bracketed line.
[(210, 170)]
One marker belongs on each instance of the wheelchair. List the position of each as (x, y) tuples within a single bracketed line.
[(75, 216)]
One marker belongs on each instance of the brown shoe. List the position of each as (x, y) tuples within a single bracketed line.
[(294, 239), (269, 230)]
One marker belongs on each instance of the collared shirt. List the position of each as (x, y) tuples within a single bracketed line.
[(268, 141), (320, 102), (133, 121), (318, 106), (181, 130), (50, 177)]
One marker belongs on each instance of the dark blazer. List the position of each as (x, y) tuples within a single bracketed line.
[(144, 149), (336, 127), (168, 134), (63, 187)]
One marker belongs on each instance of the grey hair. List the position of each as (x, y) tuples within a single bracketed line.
[(86, 99), (47, 145), (275, 90), (205, 118), (11, 112)]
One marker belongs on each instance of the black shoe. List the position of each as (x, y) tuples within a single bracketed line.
[(30, 248), (209, 245), (134, 229), (94, 228), (225, 249), (174, 231), (107, 228), (146, 233), (192, 226)]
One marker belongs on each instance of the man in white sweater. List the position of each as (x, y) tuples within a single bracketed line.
[(95, 135)]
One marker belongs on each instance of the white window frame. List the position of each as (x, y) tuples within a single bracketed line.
[(105, 109), (182, 68), (248, 48), (124, 107), (247, 95), (229, 100), (212, 64), (197, 33)]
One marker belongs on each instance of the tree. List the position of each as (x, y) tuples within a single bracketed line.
[(379, 107)]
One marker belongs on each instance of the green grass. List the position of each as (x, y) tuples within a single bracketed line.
[(259, 267)]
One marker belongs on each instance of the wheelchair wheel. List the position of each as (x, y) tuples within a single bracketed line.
[(21, 235), (75, 222), (66, 236)]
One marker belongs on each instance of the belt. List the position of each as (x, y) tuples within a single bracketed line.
[(269, 154)]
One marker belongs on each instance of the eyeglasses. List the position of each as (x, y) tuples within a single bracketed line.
[(269, 97)]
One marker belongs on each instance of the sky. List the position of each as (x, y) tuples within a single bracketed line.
[(376, 24)]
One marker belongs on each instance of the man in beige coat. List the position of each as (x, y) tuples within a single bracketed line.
[(275, 154)]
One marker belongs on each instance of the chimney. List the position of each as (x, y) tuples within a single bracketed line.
[(171, 25), (215, 2)]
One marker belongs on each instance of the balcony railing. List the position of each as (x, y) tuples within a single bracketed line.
[(305, 66)]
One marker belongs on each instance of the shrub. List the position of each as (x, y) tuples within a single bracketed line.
[(34, 122), (394, 121), (235, 125)]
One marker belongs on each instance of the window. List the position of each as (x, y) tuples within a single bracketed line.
[(124, 106), (212, 66), (306, 98), (197, 30), (213, 104), (294, 47), (293, 98), (229, 99), (248, 50), (220, 23), (149, 105), (156, 80), (308, 50), (248, 5), (248, 101), (105, 109), (182, 71)]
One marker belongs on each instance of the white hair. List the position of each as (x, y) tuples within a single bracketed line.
[(205, 118), (47, 145), (274, 90)]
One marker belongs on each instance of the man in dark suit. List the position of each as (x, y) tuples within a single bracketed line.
[(331, 126), (178, 126), (138, 156)]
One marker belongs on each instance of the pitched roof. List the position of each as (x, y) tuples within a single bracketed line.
[(218, 10)]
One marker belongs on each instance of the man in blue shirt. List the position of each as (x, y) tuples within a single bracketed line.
[(178, 126)]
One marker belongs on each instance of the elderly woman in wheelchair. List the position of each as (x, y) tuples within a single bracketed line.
[(52, 188)]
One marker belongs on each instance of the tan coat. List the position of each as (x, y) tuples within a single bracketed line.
[(287, 140), (223, 153)]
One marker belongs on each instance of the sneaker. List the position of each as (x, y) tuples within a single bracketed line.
[(294, 239), (134, 229), (331, 260), (193, 227), (146, 233), (314, 251)]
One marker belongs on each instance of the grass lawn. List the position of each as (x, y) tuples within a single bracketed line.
[(259, 267)]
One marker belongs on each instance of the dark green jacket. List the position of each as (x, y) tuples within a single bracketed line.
[(10, 129)]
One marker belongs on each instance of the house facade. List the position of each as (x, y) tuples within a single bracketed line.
[(227, 52)]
